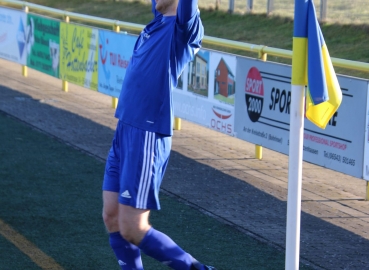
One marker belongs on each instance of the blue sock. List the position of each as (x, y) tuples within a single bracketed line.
[(128, 255), (160, 247)]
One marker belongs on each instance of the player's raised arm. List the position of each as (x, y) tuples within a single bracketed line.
[(186, 9)]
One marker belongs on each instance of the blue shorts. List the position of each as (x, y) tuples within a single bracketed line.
[(136, 165)]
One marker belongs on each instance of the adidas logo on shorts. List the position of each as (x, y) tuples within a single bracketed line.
[(126, 194), (121, 262)]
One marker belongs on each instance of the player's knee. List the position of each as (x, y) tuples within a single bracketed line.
[(133, 223), (133, 234), (110, 220), (128, 234)]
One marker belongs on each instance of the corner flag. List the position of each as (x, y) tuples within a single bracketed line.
[(311, 66), (323, 96)]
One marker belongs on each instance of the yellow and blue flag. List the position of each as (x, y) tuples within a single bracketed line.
[(314, 68)]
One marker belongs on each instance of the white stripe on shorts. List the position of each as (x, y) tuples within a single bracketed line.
[(146, 172)]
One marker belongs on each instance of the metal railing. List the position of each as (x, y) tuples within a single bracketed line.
[(261, 50)]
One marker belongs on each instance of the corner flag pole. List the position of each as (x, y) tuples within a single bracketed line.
[(298, 82)]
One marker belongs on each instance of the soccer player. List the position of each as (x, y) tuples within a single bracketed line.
[(141, 145)]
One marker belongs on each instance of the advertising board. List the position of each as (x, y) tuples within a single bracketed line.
[(115, 52), (262, 116), (79, 55), (13, 35)]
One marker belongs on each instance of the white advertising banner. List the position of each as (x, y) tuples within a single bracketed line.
[(206, 91), (262, 116), (366, 147), (204, 112), (115, 52), (14, 35)]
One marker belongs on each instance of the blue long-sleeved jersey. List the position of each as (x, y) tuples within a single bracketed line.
[(160, 54)]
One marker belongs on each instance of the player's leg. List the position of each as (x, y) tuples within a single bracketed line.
[(139, 193), (133, 223), (110, 210), (127, 254), (136, 228)]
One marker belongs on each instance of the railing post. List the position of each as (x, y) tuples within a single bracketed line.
[(367, 191), (249, 6), (24, 67), (258, 151), (262, 56), (64, 82), (177, 123), (259, 148), (270, 6), (231, 6), (217, 4), (323, 10), (114, 100)]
